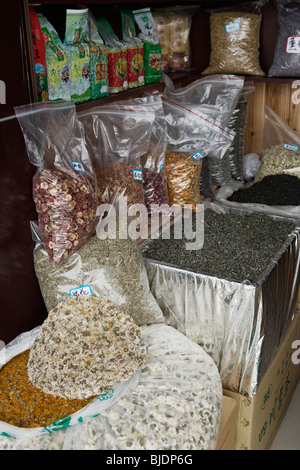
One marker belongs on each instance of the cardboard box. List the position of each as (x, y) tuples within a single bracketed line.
[(226, 436), (258, 418)]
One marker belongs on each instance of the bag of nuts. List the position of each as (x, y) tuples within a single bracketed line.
[(64, 185)]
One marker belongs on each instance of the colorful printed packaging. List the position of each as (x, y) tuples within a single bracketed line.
[(39, 56), (135, 50), (98, 62), (57, 62)]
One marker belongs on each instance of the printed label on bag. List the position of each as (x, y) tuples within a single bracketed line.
[(232, 27), (137, 175), (293, 45), (82, 291), (291, 147), (78, 166), (197, 155)]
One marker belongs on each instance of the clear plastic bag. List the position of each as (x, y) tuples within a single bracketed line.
[(235, 39), (117, 135), (64, 185), (286, 58), (280, 146)]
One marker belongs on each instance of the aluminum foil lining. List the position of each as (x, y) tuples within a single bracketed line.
[(240, 325)]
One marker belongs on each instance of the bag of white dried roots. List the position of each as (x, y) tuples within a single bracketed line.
[(86, 346)]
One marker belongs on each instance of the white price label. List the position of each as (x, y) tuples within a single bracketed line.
[(197, 155), (82, 291), (137, 175), (78, 166), (291, 147), (232, 27), (293, 45)]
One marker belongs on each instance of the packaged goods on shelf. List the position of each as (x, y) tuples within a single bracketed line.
[(98, 62), (117, 136), (182, 409), (116, 57), (235, 39), (135, 50), (227, 296), (39, 55), (173, 27), (77, 49), (64, 185), (286, 57), (152, 48), (57, 62)]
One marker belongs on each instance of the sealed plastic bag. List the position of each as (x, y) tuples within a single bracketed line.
[(280, 146), (152, 49), (175, 405), (235, 36), (173, 27), (64, 185), (40, 403), (135, 50), (117, 136), (286, 58)]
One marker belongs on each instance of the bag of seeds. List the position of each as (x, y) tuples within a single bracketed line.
[(76, 37), (152, 49), (235, 39), (98, 62), (117, 135), (110, 268), (27, 407), (135, 50), (57, 62), (116, 57), (286, 59), (280, 146), (64, 185)]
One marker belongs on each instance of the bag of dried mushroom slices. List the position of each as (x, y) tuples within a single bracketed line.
[(64, 185)]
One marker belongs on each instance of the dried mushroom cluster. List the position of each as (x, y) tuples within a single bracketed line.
[(66, 205), (86, 347)]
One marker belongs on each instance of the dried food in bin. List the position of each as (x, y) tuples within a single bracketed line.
[(64, 185)]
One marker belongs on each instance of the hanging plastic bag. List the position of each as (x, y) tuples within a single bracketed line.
[(286, 58), (235, 36), (135, 50), (152, 48), (117, 136), (280, 146), (98, 62), (64, 185)]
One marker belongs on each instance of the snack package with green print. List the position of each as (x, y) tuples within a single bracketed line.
[(135, 50), (116, 57), (57, 62), (98, 61), (152, 47), (76, 37)]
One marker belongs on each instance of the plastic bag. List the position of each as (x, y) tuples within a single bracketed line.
[(98, 62), (280, 146), (116, 57), (135, 50), (117, 136), (24, 342), (64, 185), (173, 27), (108, 268), (251, 166), (235, 36), (286, 58), (182, 408), (152, 47)]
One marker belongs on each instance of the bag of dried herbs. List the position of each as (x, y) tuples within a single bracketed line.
[(98, 62), (77, 49), (235, 39), (117, 135), (152, 48), (286, 59), (116, 57), (135, 50), (280, 146), (64, 185)]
